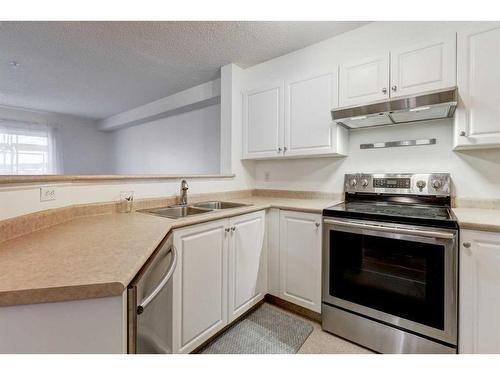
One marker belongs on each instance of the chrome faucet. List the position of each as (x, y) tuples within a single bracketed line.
[(184, 190)]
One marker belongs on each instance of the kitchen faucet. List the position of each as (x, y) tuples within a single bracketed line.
[(184, 189)]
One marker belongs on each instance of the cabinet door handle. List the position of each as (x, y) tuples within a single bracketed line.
[(227, 229), (233, 229), (284, 149), (467, 245), (384, 90), (462, 133), (394, 88), (279, 150), (317, 225)]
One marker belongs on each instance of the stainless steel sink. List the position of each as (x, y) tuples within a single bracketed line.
[(177, 212), (218, 205)]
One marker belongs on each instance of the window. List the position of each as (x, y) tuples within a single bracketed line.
[(26, 148)]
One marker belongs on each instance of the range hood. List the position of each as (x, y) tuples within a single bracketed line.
[(429, 106)]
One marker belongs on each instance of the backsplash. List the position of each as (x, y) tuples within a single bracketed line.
[(474, 173)]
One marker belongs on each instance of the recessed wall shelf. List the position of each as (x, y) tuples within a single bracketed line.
[(411, 142)]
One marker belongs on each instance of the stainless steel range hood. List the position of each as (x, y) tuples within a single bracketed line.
[(429, 106)]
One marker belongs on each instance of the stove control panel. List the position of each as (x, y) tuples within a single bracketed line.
[(400, 183), (392, 183)]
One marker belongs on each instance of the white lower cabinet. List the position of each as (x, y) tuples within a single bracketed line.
[(247, 263), (218, 276), (200, 284), (479, 330), (300, 259)]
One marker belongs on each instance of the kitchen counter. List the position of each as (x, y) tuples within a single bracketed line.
[(99, 255), (478, 219)]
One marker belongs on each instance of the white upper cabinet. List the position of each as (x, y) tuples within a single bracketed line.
[(479, 292), (309, 129), (427, 66), (247, 281), (263, 122), (423, 67), (293, 119), (364, 81), (477, 122)]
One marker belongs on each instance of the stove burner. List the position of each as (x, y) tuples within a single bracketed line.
[(397, 204), (442, 213)]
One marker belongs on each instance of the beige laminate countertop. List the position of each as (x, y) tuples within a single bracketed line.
[(98, 256), (478, 219)]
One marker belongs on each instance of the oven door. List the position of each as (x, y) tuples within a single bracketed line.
[(402, 275)]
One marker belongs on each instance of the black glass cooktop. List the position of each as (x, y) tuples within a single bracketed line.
[(391, 212)]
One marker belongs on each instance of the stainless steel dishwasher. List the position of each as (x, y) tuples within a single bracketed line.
[(150, 303)]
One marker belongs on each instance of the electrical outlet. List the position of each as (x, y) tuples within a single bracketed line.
[(126, 195), (47, 193)]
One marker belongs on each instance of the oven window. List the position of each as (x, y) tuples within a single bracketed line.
[(399, 277)]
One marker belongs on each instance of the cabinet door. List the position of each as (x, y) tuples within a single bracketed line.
[(199, 284), (424, 67), (247, 263), (364, 81), (263, 122), (309, 129), (479, 292), (476, 119), (300, 259)]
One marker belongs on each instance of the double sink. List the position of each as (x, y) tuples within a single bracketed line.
[(180, 211)]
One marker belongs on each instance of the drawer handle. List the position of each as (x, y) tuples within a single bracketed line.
[(467, 245)]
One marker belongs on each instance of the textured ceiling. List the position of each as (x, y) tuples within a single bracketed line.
[(97, 69)]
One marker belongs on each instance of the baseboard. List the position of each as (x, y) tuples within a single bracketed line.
[(292, 307)]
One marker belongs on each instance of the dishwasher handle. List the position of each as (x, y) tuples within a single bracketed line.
[(146, 301), (398, 230)]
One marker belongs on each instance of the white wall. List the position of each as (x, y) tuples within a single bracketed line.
[(84, 149), (188, 143), (476, 173)]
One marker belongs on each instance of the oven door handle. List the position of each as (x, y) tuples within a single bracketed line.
[(399, 230)]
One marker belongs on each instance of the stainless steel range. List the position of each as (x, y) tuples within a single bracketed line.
[(390, 259)]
